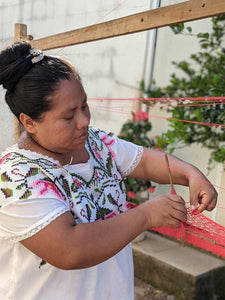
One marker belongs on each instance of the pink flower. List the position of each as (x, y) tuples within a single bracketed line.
[(4, 158), (151, 189), (132, 195), (158, 149), (96, 153), (78, 183), (110, 215), (140, 116), (109, 142), (44, 187)]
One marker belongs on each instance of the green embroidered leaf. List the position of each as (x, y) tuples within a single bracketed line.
[(102, 212), (74, 187), (7, 192), (19, 187), (109, 163), (66, 187), (26, 195), (32, 172), (5, 177), (104, 200), (111, 199), (89, 213)]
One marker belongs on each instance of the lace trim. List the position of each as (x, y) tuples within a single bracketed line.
[(134, 164), (38, 228)]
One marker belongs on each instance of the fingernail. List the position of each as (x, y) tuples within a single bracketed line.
[(193, 207)]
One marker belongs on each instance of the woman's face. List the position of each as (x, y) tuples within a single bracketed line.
[(64, 128)]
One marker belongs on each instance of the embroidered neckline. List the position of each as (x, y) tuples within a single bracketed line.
[(32, 154)]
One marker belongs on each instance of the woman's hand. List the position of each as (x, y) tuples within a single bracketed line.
[(202, 193), (165, 211)]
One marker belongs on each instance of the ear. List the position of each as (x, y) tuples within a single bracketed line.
[(29, 124)]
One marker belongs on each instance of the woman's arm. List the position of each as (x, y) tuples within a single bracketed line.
[(69, 246), (153, 167)]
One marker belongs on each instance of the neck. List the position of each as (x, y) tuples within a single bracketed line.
[(28, 142)]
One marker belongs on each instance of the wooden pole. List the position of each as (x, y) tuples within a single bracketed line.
[(159, 17), (173, 192), (20, 33)]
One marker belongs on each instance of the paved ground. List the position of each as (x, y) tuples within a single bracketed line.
[(144, 291)]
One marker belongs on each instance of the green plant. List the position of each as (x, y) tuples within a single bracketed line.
[(204, 76), (136, 131)]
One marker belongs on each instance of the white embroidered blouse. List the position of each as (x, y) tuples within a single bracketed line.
[(35, 190)]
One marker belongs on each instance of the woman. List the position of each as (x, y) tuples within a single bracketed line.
[(63, 200)]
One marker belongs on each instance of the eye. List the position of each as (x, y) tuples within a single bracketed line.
[(68, 118), (85, 105)]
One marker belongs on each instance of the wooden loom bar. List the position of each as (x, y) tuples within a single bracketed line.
[(20, 32), (164, 16)]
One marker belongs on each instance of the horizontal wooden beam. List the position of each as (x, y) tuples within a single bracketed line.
[(155, 18)]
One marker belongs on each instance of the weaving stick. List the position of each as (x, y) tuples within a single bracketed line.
[(173, 192)]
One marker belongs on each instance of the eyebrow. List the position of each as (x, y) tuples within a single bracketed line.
[(73, 108)]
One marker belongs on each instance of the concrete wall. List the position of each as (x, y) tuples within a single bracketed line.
[(111, 68)]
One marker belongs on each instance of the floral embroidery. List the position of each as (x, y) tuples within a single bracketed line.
[(44, 187), (109, 142), (4, 158), (78, 183), (110, 215), (96, 153)]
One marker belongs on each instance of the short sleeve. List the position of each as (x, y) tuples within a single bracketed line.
[(126, 154), (23, 218)]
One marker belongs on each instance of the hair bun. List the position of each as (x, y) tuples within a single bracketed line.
[(14, 64)]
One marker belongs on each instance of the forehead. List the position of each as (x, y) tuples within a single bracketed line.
[(69, 93)]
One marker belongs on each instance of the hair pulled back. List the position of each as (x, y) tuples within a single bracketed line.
[(29, 85)]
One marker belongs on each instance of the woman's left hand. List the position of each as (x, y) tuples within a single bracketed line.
[(203, 195)]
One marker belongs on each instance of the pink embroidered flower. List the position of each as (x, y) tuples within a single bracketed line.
[(109, 142), (140, 116), (151, 189), (110, 215), (4, 158), (97, 154), (129, 205), (132, 195), (45, 186), (96, 175), (78, 183)]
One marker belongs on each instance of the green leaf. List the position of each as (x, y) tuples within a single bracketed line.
[(7, 192), (189, 29), (5, 177)]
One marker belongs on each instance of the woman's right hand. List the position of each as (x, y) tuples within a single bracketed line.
[(165, 211)]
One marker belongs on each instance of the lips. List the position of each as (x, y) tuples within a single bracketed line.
[(83, 136)]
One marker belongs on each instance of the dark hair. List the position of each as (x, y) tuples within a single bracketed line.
[(29, 85)]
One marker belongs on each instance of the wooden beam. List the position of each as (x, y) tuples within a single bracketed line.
[(20, 33), (155, 18)]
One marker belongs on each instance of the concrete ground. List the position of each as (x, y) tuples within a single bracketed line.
[(180, 271), (144, 291)]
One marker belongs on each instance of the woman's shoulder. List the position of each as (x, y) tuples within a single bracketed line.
[(19, 163)]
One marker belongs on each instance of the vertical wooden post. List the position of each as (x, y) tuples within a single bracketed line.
[(20, 31)]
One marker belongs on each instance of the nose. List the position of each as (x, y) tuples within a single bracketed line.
[(83, 119)]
